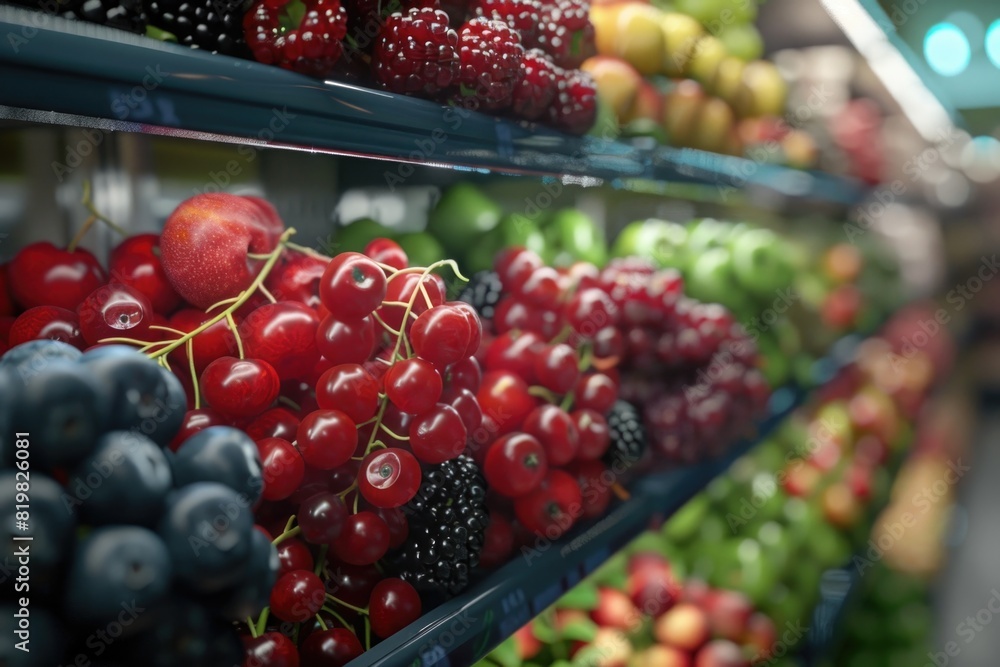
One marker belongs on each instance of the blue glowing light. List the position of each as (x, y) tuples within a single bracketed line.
[(992, 43), (947, 49)]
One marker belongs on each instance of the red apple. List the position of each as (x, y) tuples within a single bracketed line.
[(841, 307), (565, 617), (870, 451), (695, 591), (654, 590), (801, 479), (728, 613), (528, 645), (761, 636), (840, 506), (685, 626), (859, 481), (721, 653), (661, 656), (615, 610), (872, 411), (825, 456), (647, 560), (205, 242)]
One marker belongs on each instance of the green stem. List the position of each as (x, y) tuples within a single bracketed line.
[(89, 205), (194, 373), (339, 618), (368, 633), (262, 621), (236, 334), (87, 224), (321, 559), (253, 628), (322, 623), (363, 612), (287, 535)]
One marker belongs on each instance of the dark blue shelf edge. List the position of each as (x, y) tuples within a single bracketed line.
[(56, 71), (464, 629)]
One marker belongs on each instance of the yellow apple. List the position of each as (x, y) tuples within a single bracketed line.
[(681, 110), (705, 59), (680, 34), (617, 83), (715, 126), (763, 92), (728, 79), (648, 104), (639, 39), (605, 18)]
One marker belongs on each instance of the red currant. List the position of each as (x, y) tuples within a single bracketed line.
[(515, 351), (438, 435), (346, 341), (514, 266), (326, 439), (413, 385), (609, 346), (595, 486), (542, 288), (589, 311), (50, 322), (389, 477), (498, 542), (475, 326), (557, 368), (404, 288), (441, 335), (352, 583), (556, 431), (595, 391), (274, 423), (505, 402), (351, 389), (333, 647), (553, 507), (387, 251), (216, 341), (363, 540), (321, 518), (515, 465), (136, 262), (297, 278), (399, 527), (595, 437), (465, 403), (282, 466), (352, 286), (293, 554), (466, 374), (394, 605), (115, 310), (239, 387), (284, 335), (297, 596)]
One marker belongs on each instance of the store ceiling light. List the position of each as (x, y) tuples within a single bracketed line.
[(992, 42), (947, 49)]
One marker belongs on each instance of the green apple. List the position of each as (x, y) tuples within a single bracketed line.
[(743, 41), (421, 248), (572, 236), (703, 235), (661, 241), (513, 230), (354, 236), (685, 523), (463, 214), (775, 365), (710, 278), (760, 262)]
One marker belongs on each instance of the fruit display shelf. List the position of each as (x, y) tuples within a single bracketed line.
[(464, 629), (73, 73)]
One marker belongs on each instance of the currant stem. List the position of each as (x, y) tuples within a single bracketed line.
[(253, 628), (307, 251), (267, 293), (87, 224), (350, 606), (262, 620), (231, 321), (539, 391), (160, 327), (390, 432), (319, 619), (347, 491), (89, 205), (567, 402), (289, 402), (194, 373), (340, 618)]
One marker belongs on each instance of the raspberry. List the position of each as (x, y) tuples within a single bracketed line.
[(574, 109), (416, 52), (566, 33), (491, 53), (537, 88), (366, 17), (213, 25), (522, 15), (300, 35)]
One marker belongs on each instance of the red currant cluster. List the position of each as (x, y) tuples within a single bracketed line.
[(689, 365)]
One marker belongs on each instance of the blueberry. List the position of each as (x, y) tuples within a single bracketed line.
[(117, 570), (63, 409), (34, 355), (125, 480), (145, 396), (249, 595), (46, 641), (207, 528), (52, 524), (221, 454)]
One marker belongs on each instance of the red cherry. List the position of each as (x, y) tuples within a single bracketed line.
[(271, 649), (394, 605), (389, 477), (552, 508), (387, 251), (293, 554), (321, 518), (542, 288), (216, 341), (589, 311), (515, 465), (557, 368), (475, 326), (401, 288), (282, 466), (515, 351), (297, 278), (441, 335), (350, 389), (326, 439), (439, 434), (333, 647), (595, 486), (515, 265), (284, 335), (595, 437), (43, 275), (352, 286), (505, 402), (399, 527), (363, 540), (413, 385), (46, 322), (239, 387), (498, 542), (346, 341), (197, 420), (297, 596), (136, 262), (115, 310), (352, 583), (466, 374), (595, 391), (556, 431), (274, 423), (465, 403)]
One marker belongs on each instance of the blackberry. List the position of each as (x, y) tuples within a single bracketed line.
[(215, 26), (447, 521), (628, 435), (483, 293), (122, 14)]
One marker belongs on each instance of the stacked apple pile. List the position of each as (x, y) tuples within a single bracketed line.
[(689, 83), (637, 612)]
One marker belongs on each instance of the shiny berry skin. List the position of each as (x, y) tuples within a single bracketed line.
[(574, 109), (389, 477), (271, 649), (311, 45), (297, 278), (490, 52), (553, 507), (333, 647), (465, 403), (326, 439), (416, 52), (438, 435), (346, 341), (399, 527), (394, 605), (294, 554), (216, 341), (595, 437), (557, 368), (50, 322), (239, 387), (515, 465), (404, 287), (43, 275), (441, 335), (514, 266), (136, 262), (537, 87), (465, 373), (542, 288), (274, 423), (609, 346), (387, 251), (283, 468), (352, 286), (413, 385), (197, 420), (504, 399), (475, 326), (589, 311), (556, 431), (321, 518), (284, 335), (350, 389), (114, 310), (595, 391), (595, 486), (297, 596), (363, 540), (515, 351), (352, 583), (498, 542)]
